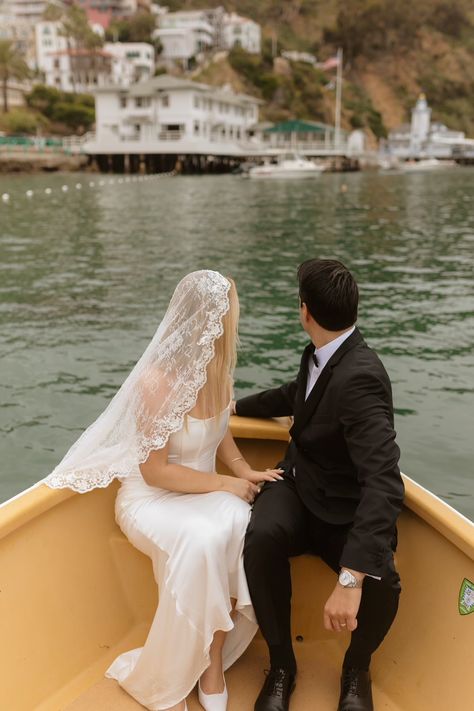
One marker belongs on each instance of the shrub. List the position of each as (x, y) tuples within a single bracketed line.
[(74, 115), (74, 110), (43, 98), (21, 121)]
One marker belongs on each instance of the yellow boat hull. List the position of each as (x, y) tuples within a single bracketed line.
[(74, 594)]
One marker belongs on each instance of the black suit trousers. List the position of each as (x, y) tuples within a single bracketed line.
[(281, 527)]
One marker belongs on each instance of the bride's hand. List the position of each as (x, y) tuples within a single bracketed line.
[(243, 488), (258, 477)]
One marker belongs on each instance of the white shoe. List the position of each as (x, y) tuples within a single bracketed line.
[(213, 702)]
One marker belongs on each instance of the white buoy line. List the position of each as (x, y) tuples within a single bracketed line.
[(91, 184)]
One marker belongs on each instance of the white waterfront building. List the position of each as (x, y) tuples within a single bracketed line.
[(69, 68), (170, 115), (83, 70), (190, 33), (423, 138), (238, 31), (184, 35), (48, 40), (140, 55)]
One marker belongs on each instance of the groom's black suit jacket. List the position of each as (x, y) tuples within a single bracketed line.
[(343, 450)]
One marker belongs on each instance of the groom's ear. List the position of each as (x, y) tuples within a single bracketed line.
[(304, 313)]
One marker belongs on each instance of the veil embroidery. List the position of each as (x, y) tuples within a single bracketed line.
[(160, 390)]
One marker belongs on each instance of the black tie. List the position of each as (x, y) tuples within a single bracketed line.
[(315, 359)]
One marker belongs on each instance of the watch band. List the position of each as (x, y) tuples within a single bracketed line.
[(348, 580)]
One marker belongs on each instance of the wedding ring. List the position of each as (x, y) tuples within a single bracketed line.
[(343, 624)]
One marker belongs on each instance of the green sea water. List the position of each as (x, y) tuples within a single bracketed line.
[(85, 277)]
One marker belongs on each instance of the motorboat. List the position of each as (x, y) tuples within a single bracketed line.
[(286, 166), (74, 594), (425, 164)]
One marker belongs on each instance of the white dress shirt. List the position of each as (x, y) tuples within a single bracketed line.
[(323, 354)]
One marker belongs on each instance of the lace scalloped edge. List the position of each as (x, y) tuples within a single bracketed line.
[(98, 479)]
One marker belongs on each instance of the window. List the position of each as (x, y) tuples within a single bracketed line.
[(123, 102), (196, 128), (138, 102), (197, 103), (56, 63), (165, 101)]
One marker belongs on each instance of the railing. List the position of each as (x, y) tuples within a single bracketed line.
[(302, 146), (170, 135), (43, 144)]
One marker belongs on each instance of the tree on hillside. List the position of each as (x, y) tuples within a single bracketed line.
[(74, 110), (381, 26), (52, 13), (12, 66), (136, 28), (76, 28), (79, 34)]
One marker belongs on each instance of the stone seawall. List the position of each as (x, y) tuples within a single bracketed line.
[(29, 162)]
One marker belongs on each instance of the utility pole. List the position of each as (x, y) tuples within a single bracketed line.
[(337, 121)]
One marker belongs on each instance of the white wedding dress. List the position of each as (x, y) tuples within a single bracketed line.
[(195, 542)]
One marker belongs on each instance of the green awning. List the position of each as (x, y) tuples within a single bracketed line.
[(297, 126)]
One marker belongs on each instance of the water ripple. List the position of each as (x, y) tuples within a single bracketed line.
[(85, 279)]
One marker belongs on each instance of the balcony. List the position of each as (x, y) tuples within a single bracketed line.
[(175, 135)]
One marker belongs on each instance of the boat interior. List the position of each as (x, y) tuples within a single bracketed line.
[(74, 594)]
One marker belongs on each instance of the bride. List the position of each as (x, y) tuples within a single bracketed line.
[(160, 435)]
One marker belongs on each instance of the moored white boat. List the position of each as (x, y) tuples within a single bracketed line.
[(287, 166), (425, 164)]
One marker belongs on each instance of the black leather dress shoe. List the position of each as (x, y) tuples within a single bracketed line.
[(356, 691), (276, 691)]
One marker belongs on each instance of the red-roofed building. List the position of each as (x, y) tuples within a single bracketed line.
[(99, 19)]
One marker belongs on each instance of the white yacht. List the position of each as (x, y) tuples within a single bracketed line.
[(286, 166), (424, 164)]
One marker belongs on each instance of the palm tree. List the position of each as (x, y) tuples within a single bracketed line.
[(12, 66), (79, 35)]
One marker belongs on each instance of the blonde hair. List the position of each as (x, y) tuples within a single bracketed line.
[(217, 392)]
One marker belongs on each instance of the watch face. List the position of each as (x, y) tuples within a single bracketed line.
[(345, 578)]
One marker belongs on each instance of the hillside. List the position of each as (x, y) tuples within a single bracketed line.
[(392, 51)]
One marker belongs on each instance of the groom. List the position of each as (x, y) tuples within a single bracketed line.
[(340, 495)]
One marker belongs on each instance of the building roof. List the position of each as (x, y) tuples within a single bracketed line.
[(298, 126), (80, 52), (166, 82), (99, 17)]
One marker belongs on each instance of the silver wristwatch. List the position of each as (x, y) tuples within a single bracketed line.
[(347, 580)]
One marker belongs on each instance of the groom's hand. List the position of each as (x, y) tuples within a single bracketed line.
[(340, 611)]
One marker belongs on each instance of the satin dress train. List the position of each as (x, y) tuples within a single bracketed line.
[(195, 543)]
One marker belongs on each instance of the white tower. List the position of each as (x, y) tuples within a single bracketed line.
[(420, 124)]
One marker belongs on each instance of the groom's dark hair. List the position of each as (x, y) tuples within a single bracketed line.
[(330, 293)]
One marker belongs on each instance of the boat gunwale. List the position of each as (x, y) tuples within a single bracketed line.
[(451, 524)]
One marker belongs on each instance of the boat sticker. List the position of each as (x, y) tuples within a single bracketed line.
[(466, 597)]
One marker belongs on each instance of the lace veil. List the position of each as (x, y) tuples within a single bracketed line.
[(161, 389)]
